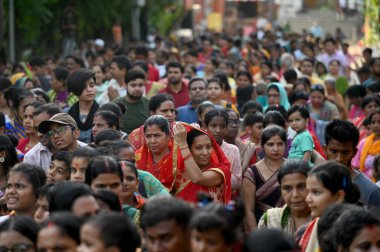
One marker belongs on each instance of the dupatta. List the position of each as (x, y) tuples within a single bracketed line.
[(283, 95), (165, 170), (309, 240), (370, 147), (187, 190), (137, 137)]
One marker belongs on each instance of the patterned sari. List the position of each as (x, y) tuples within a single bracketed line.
[(13, 127), (137, 137), (268, 194), (187, 190), (165, 170)]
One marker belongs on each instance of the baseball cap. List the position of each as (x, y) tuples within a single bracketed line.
[(60, 118)]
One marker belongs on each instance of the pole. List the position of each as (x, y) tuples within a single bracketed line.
[(12, 54)]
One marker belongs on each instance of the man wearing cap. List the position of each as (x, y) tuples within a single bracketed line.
[(62, 131)]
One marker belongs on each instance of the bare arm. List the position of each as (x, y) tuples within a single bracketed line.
[(306, 156), (249, 198), (207, 178), (317, 158)]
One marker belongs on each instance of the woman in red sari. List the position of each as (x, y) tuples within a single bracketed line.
[(202, 165), (159, 153), (160, 104)]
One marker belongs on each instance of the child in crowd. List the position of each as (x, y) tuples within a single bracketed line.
[(59, 169), (79, 161), (302, 144), (42, 202), (253, 126)]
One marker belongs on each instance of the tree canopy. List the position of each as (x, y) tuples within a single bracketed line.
[(37, 22)]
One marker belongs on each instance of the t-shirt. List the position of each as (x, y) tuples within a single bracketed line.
[(301, 143), (187, 114), (135, 115), (181, 98), (369, 191)]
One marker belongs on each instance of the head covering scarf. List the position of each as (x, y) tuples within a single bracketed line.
[(283, 95), (219, 163)]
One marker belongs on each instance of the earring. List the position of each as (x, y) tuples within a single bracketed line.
[(2, 160)]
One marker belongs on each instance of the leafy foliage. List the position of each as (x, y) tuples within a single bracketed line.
[(37, 22)]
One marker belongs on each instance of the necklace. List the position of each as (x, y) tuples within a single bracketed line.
[(273, 171)]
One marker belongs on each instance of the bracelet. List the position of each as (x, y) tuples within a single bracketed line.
[(187, 156), (184, 148)]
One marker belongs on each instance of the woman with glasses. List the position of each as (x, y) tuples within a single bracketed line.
[(276, 95), (18, 234), (248, 149), (160, 104), (320, 108)]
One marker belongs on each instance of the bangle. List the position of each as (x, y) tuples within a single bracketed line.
[(184, 148), (187, 156)]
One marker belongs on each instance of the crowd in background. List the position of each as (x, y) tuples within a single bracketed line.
[(263, 143)]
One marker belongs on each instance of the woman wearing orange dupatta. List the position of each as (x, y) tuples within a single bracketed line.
[(159, 153), (161, 104), (369, 147), (202, 165)]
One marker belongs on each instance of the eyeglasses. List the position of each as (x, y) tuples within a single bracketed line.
[(273, 95), (60, 131), (197, 88), (317, 87), (21, 247), (234, 121)]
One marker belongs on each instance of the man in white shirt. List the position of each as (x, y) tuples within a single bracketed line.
[(119, 67)]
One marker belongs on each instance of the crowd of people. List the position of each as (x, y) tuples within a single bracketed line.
[(196, 145)]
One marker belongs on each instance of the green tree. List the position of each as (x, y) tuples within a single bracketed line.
[(37, 22)]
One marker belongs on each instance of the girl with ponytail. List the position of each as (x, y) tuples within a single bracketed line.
[(328, 183)]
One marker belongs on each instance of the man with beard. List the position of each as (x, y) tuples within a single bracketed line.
[(176, 86), (198, 94), (342, 137), (40, 155), (137, 105), (375, 72)]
